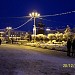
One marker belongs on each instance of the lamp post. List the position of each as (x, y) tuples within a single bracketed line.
[(8, 28), (34, 15)]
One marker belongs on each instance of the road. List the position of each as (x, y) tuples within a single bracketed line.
[(24, 60)]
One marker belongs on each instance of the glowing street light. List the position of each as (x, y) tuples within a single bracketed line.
[(8, 28), (48, 30), (34, 15)]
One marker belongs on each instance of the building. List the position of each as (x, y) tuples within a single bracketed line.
[(40, 28), (2, 34), (8, 34)]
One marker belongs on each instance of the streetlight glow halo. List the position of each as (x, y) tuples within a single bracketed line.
[(30, 15), (34, 15)]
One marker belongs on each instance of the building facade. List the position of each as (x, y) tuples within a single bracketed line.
[(8, 34)]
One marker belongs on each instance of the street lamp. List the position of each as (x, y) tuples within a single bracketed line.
[(8, 29), (48, 30), (34, 15)]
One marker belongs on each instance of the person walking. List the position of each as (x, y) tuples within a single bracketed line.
[(12, 41), (0, 41), (68, 47), (73, 47)]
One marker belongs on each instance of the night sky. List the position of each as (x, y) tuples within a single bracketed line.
[(19, 8)]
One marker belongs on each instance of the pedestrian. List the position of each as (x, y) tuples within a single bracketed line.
[(0, 41), (12, 41), (73, 47), (68, 47), (30, 38)]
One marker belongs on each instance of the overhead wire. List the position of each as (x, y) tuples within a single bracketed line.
[(15, 17), (23, 24), (65, 13), (41, 18)]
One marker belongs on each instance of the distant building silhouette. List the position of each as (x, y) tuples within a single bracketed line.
[(40, 28)]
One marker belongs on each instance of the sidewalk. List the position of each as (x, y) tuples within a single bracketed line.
[(55, 53), (26, 60)]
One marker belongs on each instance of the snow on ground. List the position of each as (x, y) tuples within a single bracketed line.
[(17, 60)]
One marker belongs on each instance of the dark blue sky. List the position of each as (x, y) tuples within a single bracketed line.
[(18, 8)]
